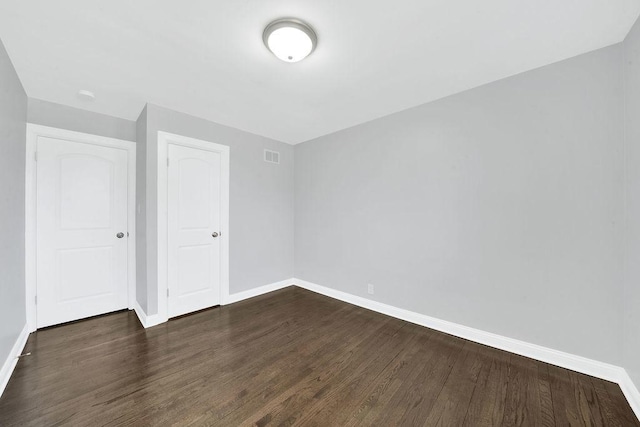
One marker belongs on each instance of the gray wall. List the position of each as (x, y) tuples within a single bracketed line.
[(632, 252), (499, 208), (141, 209), (261, 201), (13, 116), (61, 116)]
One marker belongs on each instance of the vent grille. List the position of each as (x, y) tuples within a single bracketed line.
[(272, 156)]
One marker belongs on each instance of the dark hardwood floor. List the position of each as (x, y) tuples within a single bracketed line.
[(285, 358)]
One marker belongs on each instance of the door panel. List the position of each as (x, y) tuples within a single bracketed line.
[(194, 269), (73, 287), (85, 178), (193, 216), (81, 206)]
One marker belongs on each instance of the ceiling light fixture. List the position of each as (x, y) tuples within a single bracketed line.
[(290, 39)]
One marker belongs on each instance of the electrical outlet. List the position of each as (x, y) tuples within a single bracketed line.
[(370, 289)]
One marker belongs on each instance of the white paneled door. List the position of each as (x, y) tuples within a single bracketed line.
[(81, 216), (194, 229)]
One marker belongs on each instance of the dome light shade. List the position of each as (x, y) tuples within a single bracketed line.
[(290, 40)]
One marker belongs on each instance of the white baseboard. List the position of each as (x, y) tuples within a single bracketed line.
[(155, 319), (630, 392), (12, 359), (146, 320), (564, 360), (240, 296)]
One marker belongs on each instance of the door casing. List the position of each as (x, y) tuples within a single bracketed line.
[(164, 139), (34, 132)]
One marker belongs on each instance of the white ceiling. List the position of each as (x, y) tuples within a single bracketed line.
[(374, 57)]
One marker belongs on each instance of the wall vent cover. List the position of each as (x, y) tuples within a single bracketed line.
[(271, 156)]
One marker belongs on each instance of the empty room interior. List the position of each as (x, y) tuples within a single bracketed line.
[(329, 213)]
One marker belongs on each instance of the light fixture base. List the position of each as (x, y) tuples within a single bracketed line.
[(86, 95)]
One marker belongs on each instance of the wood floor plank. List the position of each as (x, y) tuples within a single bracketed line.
[(616, 403), (378, 397), (412, 403), (320, 370), (234, 395), (287, 408), (566, 409), (547, 411), (291, 357), (453, 400), (587, 401), (343, 396), (486, 407), (609, 411)]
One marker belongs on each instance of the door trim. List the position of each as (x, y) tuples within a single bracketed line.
[(164, 139), (33, 133)]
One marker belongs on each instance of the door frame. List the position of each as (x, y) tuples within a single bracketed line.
[(164, 139), (33, 133)]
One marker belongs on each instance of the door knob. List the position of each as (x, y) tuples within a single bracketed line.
[(215, 234), (120, 235)]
